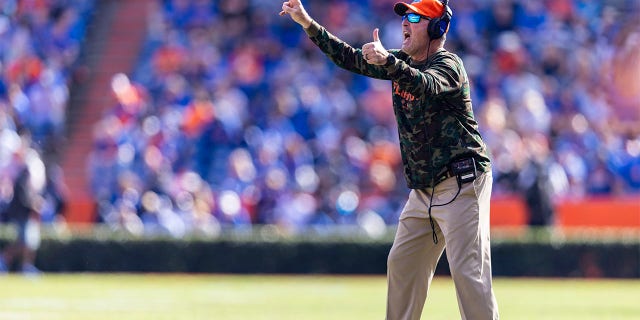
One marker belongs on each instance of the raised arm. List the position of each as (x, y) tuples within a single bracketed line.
[(369, 60)]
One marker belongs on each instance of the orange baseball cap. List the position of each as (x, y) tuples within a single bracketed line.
[(427, 8)]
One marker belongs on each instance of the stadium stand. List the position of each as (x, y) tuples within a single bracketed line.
[(229, 116), (41, 41), (235, 118), (112, 45)]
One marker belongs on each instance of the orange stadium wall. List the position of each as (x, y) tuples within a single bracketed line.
[(81, 212), (591, 212), (506, 211)]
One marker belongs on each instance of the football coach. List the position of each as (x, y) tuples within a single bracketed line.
[(445, 161)]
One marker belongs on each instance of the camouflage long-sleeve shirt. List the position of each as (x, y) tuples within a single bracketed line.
[(431, 102)]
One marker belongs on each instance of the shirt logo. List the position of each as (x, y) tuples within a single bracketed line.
[(402, 93)]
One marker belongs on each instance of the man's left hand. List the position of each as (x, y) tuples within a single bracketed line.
[(373, 52)]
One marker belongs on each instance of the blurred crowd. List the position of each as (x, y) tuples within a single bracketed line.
[(234, 117), (39, 44)]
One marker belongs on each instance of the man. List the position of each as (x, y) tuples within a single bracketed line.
[(22, 213), (445, 161)]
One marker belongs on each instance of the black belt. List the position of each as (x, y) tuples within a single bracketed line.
[(444, 175)]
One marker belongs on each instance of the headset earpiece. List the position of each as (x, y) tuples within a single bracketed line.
[(438, 26)]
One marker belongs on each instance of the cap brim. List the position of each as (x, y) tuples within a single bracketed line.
[(401, 8)]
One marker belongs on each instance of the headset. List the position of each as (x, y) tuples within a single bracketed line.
[(438, 26)]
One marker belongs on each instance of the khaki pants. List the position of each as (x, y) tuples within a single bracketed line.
[(462, 228)]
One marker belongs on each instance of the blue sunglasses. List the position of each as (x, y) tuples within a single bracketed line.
[(413, 17)]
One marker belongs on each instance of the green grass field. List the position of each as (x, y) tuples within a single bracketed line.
[(121, 297)]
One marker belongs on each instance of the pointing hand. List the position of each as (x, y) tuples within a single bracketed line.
[(295, 9)]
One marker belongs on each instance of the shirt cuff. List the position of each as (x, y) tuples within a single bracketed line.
[(392, 64), (313, 30), (391, 60)]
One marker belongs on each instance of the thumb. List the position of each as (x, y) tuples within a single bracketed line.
[(376, 38)]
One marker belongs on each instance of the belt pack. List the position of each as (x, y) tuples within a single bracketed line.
[(464, 170)]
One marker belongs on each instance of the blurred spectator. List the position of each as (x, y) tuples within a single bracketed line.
[(236, 100), (23, 212), (541, 181), (54, 196)]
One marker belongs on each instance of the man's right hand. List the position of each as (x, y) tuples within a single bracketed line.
[(295, 9)]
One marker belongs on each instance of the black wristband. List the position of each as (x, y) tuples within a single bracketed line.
[(391, 59)]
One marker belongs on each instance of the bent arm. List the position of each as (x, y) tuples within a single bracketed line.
[(443, 75)]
